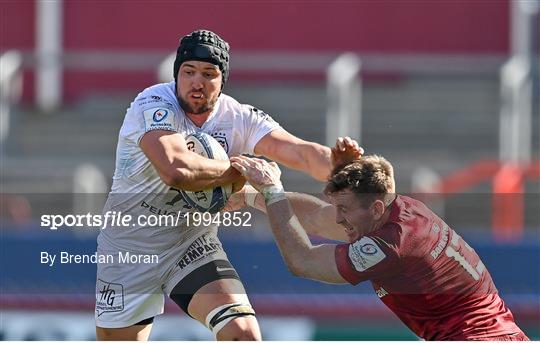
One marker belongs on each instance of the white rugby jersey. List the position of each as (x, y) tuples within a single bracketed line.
[(137, 189)]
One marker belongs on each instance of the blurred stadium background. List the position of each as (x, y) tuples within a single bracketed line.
[(446, 90)]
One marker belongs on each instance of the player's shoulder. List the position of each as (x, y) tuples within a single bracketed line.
[(161, 94), (368, 251), (409, 223), (228, 103), (228, 100), (409, 212), (164, 89), (154, 107)]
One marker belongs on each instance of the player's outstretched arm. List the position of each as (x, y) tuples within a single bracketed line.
[(312, 158), (302, 258), (316, 262), (316, 216), (309, 157), (180, 168)]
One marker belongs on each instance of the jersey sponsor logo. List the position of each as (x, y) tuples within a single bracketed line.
[(221, 137), (162, 211), (158, 118), (365, 253), (160, 115), (153, 99), (109, 297), (442, 242)]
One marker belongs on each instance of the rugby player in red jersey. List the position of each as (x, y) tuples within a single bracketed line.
[(419, 267)]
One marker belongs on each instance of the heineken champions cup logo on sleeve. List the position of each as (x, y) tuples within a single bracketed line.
[(159, 118), (160, 115)]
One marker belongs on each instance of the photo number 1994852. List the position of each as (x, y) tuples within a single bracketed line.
[(230, 219)]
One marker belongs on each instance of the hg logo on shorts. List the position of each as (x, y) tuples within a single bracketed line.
[(109, 297)]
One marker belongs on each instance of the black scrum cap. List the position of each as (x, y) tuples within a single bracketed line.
[(206, 46)]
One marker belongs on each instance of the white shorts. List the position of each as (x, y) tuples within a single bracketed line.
[(131, 288)]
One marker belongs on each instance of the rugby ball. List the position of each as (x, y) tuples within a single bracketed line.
[(211, 199)]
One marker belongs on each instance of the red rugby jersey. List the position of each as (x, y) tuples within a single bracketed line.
[(427, 275)]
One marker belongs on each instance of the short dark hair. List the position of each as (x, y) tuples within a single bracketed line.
[(206, 46), (370, 177)]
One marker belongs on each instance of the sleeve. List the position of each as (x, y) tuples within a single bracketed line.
[(257, 124), (152, 112), (366, 259)]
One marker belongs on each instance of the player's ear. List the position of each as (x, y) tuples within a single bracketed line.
[(377, 209)]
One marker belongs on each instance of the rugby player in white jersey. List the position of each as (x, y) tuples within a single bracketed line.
[(152, 163)]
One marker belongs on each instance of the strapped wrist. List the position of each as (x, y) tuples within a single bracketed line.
[(273, 194)]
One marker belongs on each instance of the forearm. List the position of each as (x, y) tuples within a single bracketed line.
[(194, 173), (309, 157), (317, 160), (181, 168), (292, 240)]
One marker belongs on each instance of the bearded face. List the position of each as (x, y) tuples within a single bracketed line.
[(198, 87)]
